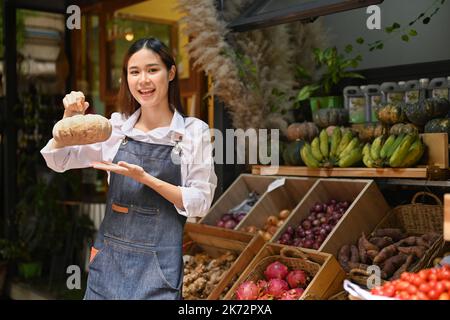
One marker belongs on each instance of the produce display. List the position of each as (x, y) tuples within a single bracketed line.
[(302, 131), (438, 125), (427, 284), (291, 153), (390, 248), (397, 151), (343, 150), (82, 129), (232, 218), (426, 109), (391, 113), (279, 283), (330, 117), (312, 231), (202, 273), (273, 223)]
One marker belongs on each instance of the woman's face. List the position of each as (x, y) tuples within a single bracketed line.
[(148, 78)]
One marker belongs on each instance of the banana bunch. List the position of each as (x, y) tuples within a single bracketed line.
[(341, 149), (397, 151)]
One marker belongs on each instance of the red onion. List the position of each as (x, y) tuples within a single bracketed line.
[(230, 224), (290, 230), (247, 291), (226, 217), (276, 287), (296, 278), (306, 225), (308, 244), (276, 270), (220, 223)]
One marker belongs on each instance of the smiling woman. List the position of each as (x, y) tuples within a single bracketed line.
[(153, 186)]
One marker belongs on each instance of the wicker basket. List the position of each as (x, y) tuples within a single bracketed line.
[(293, 258), (414, 219)]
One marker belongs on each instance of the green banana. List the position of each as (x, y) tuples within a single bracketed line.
[(395, 145), (376, 147), (366, 148), (368, 162), (387, 144), (335, 139), (315, 149), (415, 152), (324, 149), (400, 153), (352, 145), (307, 157), (346, 138), (351, 158)]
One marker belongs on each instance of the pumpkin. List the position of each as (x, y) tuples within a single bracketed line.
[(291, 153), (302, 131), (82, 129), (426, 109), (368, 132), (406, 128), (438, 125), (330, 117), (391, 113)]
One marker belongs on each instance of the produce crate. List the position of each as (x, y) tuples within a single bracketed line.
[(235, 194), (216, 241), (326, 283), (368, 207), (286, 196)]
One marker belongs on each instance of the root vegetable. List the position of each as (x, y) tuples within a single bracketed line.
[(407, 242), (418, 251), (385, 254), (273, 220), (381, 242), (367, 244), (403, 267), (394, 233), (371, 254), (362, 251), (344, 257), (284, 214), (354, 255), (393, 263)]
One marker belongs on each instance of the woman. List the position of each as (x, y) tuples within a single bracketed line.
[(160, 172)]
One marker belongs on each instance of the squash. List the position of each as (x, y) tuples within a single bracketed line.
[(81, 129), (391, 113), (303, 131), (407, 128), (291, 153), (426, 109), (368, 132), (438, 125), (330, 117)]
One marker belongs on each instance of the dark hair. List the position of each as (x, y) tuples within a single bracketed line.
[(125, 100)]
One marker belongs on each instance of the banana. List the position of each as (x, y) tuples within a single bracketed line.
[(367, 160), (387, 144), (394, 146), (335, 139), (352, 145), (400, 153), (324, 149), (415, 152), (351, 158), (307, 157), (366, 148), (376, 147), (315, 149), (346, 138)]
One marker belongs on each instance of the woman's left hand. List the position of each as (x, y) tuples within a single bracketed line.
[(124, 168)]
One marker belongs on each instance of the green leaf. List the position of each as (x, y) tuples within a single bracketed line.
[(395, 25), (306, 92), (389, 29), (412, 33), (372, 48), (352, 75), (426, 20), (405, 38), (348, 48), (360, 40), (380, 46), (302, 73)]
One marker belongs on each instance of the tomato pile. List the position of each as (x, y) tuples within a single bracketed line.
[(427, 284)]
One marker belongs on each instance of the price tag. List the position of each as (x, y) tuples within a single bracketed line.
[(276, 184)]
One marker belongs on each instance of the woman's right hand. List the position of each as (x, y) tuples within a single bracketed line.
[(74, 104)]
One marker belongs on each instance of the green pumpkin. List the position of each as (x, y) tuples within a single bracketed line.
[(406, 128), (438, 125), (426, 109), (391, 113), (330, 117), (291, 153)]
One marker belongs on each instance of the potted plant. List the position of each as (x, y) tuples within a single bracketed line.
[(332, 67)]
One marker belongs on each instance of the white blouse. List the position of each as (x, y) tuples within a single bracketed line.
[(198, 178)]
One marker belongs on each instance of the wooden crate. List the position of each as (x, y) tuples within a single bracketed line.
[(216, 241), (235, 194), (326, 283), (287, 196), (368, 207)]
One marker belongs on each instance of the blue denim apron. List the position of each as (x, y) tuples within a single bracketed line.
[(139, 242)]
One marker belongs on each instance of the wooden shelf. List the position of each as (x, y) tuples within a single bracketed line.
[(411, 173)]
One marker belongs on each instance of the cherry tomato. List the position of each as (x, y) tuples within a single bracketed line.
[(424, 287), (406, 276), (432, 277), (422, 296), (444, 275), (423, 274), (416, 280), (411, 289), (389, 290), (402, 295), (440, 287), (446, 284), (401, 285), (444, 296), (433, 294), (378, 291)]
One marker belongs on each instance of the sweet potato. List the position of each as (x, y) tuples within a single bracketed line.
[(371, 254), (394, 233), (344, 257), (393, 263), (354, 255), (385, 254), (407, 242), (403, 267), (364, 267), (381, 242), (427, 239), (362, 251), (418, 251)]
